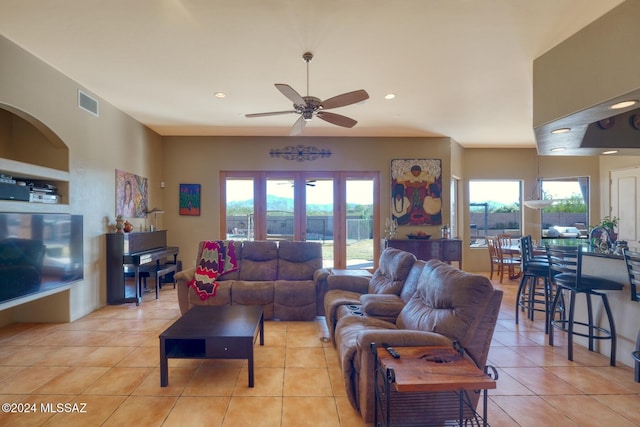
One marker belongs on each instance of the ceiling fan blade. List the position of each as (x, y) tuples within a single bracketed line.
[(337, 119), (291, 93), (345, 99), (272, 113), (298, 126)]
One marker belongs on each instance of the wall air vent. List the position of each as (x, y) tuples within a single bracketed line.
[(87, 103)]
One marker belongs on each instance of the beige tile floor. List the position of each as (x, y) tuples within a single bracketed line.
[(107, 364)]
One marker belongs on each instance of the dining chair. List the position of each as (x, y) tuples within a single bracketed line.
[(500, 263), (565, 270), (508, 242)]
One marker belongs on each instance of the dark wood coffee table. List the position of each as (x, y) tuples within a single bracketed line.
[(212, 332)]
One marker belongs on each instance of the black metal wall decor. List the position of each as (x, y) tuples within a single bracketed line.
[(299, 153)]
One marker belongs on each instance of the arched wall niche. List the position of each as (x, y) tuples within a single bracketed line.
[(26, 139)]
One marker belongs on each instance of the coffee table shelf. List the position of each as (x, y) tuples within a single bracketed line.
[(212, 332)]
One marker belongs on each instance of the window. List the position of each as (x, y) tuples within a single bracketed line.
[(453, 227), (359, 223), (338, 209), (568, 216), (494, 208), (239, 208)]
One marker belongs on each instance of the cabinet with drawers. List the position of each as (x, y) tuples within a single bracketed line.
[(447, 250)]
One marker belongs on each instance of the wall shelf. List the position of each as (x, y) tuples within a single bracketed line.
[(26, 170)]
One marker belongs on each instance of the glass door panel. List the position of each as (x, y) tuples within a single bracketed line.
[(359, 223), (239, 208), (280, 209), (319, 215)]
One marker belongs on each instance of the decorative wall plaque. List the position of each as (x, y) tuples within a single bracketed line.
[(299, 153)]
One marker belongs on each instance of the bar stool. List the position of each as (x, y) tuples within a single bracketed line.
[(529, 296), (565, 265), (632, 260), (636, 358)]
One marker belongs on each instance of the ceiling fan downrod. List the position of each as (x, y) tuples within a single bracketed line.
[(307, 57)]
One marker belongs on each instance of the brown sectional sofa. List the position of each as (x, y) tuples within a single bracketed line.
[(436, 304), (284, 277)]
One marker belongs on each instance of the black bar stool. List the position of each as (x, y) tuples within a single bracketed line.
[(530, 297), (565, 265), (632, 260)]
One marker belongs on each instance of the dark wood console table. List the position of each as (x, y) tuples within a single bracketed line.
[(443, 249)]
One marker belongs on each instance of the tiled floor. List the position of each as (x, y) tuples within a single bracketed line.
[(107, 364)]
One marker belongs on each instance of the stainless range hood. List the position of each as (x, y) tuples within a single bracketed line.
[(576, 82)]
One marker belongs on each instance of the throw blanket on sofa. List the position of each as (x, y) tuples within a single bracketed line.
[(218, 258)]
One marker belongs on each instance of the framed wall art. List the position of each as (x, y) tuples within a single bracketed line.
[(131, 195), (190, 199), (416, 187)]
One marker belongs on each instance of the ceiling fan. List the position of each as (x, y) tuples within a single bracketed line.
[(309, 106)]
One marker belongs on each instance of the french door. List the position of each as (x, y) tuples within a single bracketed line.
[(338, 209)]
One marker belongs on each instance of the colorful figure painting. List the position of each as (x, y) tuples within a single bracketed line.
[(416, 187), (131, 195), (190, 199)]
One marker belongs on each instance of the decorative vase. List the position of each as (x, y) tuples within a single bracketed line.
[(613, 236), (128, 227), (119, 224)]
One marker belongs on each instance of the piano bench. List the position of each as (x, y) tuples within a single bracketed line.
[(165, 270), (143, 274)]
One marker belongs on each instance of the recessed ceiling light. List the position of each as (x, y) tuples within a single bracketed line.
[(555, 150), (560, 130), (220, 95), (610, 152), (390, 96), (623, 104)]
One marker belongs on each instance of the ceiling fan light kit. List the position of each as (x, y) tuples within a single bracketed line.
[(309, 106)]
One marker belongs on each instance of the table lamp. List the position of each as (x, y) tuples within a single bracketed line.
[(155, 212)]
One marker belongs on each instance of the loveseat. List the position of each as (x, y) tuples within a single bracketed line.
[(283, 277), (447, 305)]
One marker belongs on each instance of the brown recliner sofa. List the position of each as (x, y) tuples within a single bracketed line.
[(447, 305), (283, 277), (383, 295)]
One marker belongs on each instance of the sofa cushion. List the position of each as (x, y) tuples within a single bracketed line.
[(233, 275), (253, 293), (393, 269), (384, 305), (294, 300), (298, 260), (447, 301), (259, 261), (411, 282), (222, 297)]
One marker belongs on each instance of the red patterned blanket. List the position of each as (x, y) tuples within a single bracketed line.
[(218, 258)]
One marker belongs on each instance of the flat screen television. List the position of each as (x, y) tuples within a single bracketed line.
[(39, 252)]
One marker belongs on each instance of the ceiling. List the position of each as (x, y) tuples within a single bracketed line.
[(459, 68)]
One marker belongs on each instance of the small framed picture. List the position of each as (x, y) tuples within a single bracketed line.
[(190, 199)]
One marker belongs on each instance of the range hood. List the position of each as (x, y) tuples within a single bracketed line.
[(576, 82), (594, 131)]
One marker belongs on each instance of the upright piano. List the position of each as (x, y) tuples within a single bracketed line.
[(145, 251)]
